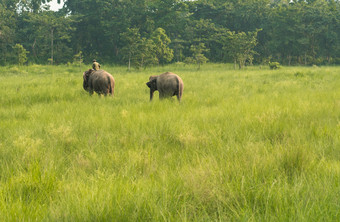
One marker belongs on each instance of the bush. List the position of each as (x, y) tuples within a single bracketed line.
[(319, 61), (274, 65), (337, 61), (189, 60), (299, 74), (21, 53)]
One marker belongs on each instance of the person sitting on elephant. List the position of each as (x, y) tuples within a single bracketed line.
[(95, 65)]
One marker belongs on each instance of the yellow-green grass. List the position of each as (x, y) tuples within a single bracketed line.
[(243, 145)]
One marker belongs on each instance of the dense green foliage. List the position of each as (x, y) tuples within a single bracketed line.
[(21, 53), (300, 32), (251, 145)]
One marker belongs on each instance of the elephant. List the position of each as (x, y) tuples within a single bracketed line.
[(99, 81), (168, 84)]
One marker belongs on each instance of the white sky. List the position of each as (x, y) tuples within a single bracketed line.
[(55, 6)]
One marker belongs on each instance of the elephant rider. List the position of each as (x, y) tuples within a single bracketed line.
[(95, 65)]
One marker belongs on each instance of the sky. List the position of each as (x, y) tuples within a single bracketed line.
[(55, 6)]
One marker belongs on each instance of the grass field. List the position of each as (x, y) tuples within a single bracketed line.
[(243, 145)]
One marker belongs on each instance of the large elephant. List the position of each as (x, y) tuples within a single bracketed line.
[(168, 84), (99, 81)]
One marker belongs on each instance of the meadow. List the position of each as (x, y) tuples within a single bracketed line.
[(243, 145)]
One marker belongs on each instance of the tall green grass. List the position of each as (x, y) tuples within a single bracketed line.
[(243, 145)]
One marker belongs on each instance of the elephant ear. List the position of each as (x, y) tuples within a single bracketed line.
[(87, 74), (154, 83), (151, 78)]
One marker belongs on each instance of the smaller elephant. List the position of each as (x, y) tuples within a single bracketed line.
[(99, 81), (168, 84)]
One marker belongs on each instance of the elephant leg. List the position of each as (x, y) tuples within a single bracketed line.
[(161, 96), (110, 92), (151, 94), (178, 97), (107, 91)]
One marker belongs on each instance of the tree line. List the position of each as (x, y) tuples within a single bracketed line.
[(139, 33)]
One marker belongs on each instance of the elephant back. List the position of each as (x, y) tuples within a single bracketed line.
[(169, 82), (167, 77), (101, 74), (102, 82)]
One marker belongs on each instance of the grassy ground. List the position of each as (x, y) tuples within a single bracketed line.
[(243, 145)]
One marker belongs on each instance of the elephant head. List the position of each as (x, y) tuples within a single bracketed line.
[(152, 84), (86, 76)]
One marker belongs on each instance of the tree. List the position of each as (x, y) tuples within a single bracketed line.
[(146, 53), (131, 39), (240, 46), (33, 6), (171, 15), (283, 35), (7, 31), (21, 53), (163, 53), (101, 22), (203, 31), (197, 54), (178, 45), (78, 59), (318, 19), (302, 32), (139, 51), (247, 15), (49, 35)]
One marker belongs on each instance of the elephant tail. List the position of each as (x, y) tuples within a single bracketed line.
[(179, 88), (111, 85)]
